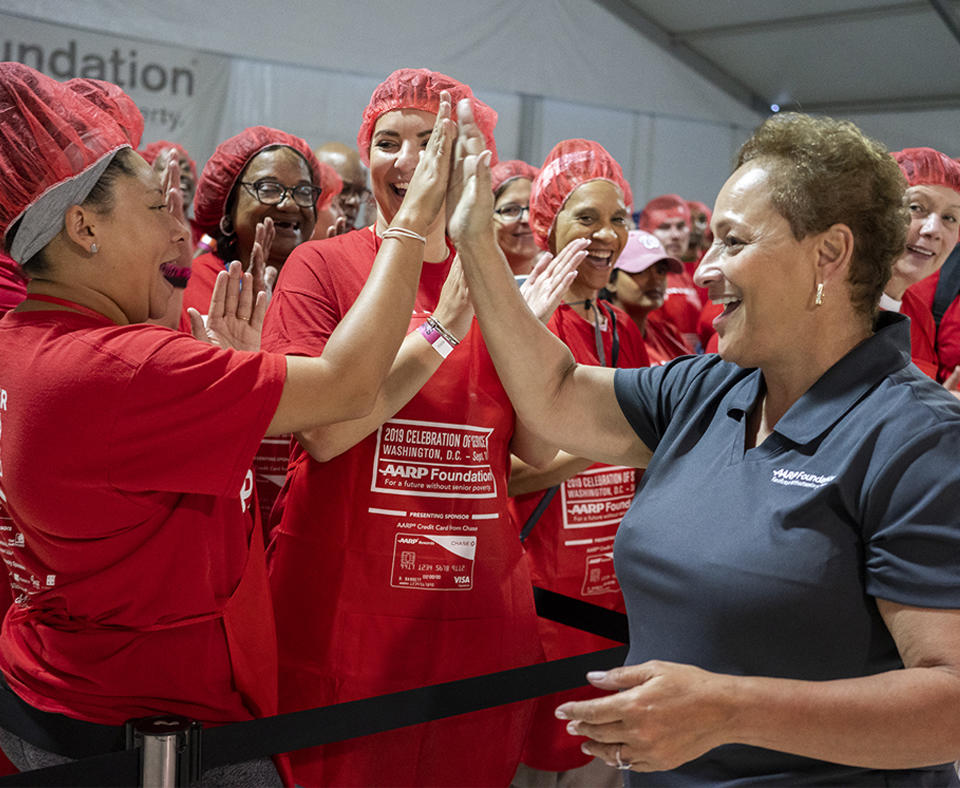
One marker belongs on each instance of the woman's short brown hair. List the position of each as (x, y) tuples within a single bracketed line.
[(826, 172)]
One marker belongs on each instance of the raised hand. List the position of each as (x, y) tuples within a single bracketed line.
[(236, 315), (170, 184), (551, 277), (428, 186), (257, 266), (469, 194), (454, 309), (339, 227)]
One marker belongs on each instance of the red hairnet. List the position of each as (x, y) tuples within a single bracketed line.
[(702, 207), (112, 99), (699, 207), (154, 149), (928, 167), (229, 160), (49, 133), (419, 88), (330, 183), (508, 170), (662, 208), (570, 164)]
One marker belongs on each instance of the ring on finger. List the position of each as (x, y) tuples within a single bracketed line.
[(622, 765)]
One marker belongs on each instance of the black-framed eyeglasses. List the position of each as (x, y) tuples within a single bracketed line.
[(273, 193), (512, 212)]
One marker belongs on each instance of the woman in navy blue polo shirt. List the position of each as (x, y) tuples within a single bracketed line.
[(791, 562)]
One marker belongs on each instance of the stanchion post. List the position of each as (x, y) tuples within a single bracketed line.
[(169, 750)]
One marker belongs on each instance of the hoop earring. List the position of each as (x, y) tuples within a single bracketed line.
[(819, 298), (226, 225)]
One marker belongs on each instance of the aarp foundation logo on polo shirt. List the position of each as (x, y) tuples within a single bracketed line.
[(790, 478)]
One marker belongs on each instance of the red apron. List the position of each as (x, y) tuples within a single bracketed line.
[(570, 549), (270, 469), (395, 566)]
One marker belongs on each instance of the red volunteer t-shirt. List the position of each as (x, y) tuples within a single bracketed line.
[(125, 466), (395, 565), (662, 340), (947, 338), (705, 329), (203, 277), (570, 549), (270, 462), (682, 305)]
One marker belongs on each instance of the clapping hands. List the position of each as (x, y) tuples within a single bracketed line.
[(239, 300)]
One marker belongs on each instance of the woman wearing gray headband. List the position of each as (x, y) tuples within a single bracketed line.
[(135, 561)]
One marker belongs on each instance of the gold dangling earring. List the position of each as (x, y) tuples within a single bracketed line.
[(819, 299)]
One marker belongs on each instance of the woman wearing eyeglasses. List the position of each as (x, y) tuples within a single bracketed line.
[(511, 182), (259, 174)]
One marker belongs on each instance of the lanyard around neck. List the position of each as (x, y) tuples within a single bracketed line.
[(593, 305)]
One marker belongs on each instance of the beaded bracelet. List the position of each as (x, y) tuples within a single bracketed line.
[(403, 232)]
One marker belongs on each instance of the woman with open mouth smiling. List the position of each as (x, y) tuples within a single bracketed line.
[(135, 556), (392, 559), (790, 561), (261, 175), (579, 202), (933, 200)]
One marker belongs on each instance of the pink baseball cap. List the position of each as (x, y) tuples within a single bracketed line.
[(643, 250)]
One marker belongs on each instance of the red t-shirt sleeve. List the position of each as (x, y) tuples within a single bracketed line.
[(318, 284), (190, 416)]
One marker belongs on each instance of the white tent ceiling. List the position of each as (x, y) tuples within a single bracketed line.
[(671, 86), (841, 57)]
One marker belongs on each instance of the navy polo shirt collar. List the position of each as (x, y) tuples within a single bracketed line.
[(840, 387)]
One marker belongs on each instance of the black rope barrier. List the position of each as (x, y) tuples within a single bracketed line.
[(241, 741)]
